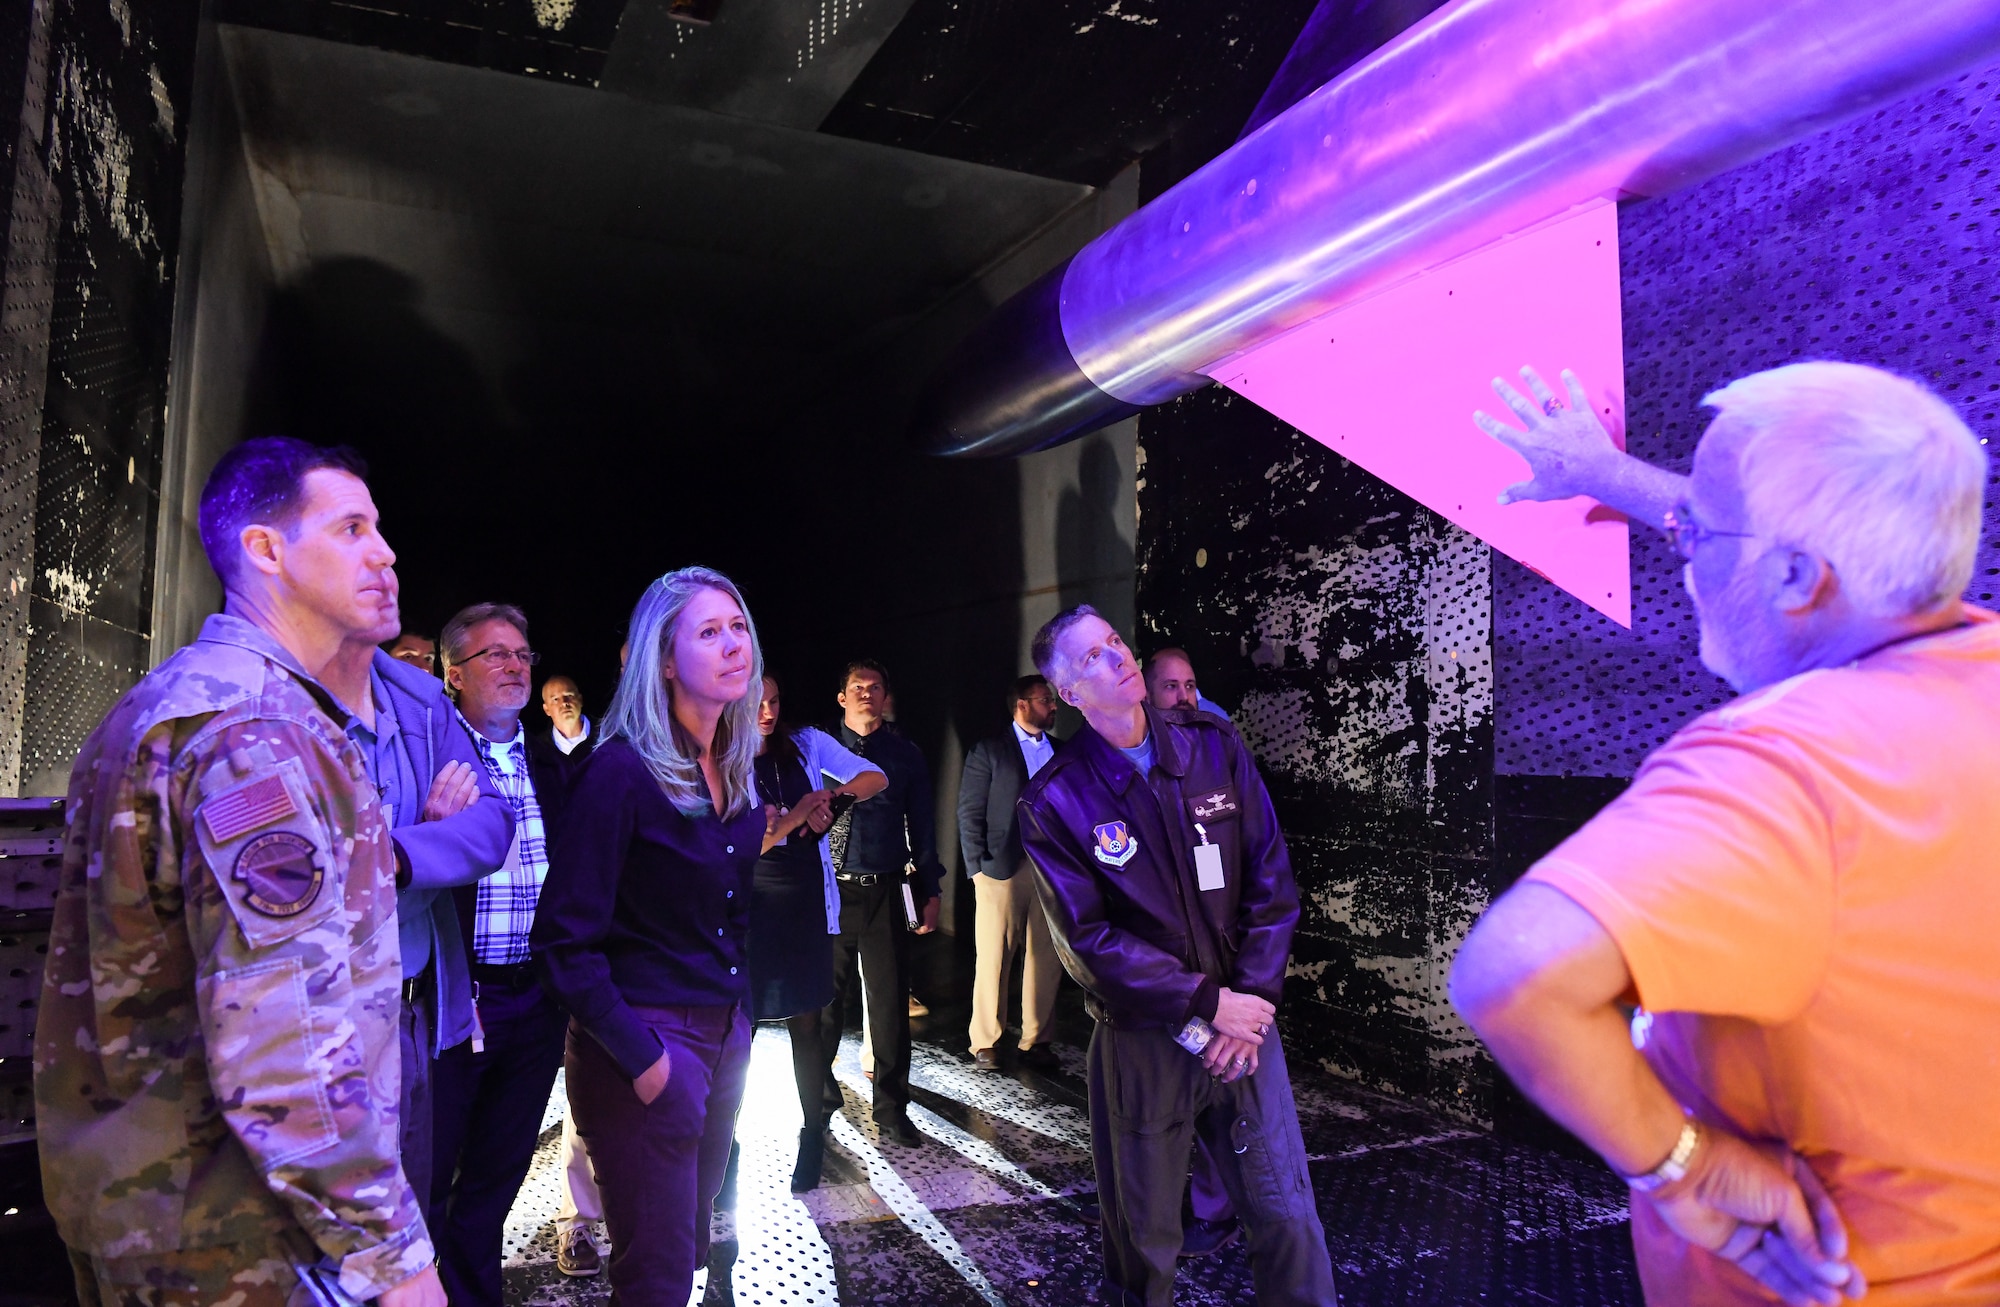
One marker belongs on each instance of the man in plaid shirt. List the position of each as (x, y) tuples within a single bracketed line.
[(490, 1092)]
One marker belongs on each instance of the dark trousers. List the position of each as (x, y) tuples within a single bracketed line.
[(1208, 1197), (874, 930), (486, 1114), (659, 1165), (413, 1033), (1149, 1098), (809, 1061)]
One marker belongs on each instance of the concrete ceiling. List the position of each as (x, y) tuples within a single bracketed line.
[(758, 249)]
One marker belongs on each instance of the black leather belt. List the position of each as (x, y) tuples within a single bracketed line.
[(863, 881), (420, 986), (513, 976)]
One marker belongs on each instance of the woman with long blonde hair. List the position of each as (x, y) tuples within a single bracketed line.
[(642, 926)]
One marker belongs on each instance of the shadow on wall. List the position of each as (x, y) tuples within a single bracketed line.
[(348, 357), (1093, 560), (1094, 563)]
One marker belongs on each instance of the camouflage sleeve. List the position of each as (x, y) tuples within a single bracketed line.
[(289, 880)]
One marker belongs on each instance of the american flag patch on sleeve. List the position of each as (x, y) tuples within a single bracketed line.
[(247, 807)]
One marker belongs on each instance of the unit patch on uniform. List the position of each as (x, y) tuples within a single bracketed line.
[(245, 808), (1115, 844), (1214, 803), (281, 873)]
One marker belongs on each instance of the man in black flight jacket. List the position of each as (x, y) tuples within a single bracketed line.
[(1171, 899)]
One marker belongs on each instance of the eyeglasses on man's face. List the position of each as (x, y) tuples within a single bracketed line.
[(496, 657), (1686, 534)]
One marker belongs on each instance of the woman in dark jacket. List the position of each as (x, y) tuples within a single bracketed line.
[(795, 908), (642, 924)]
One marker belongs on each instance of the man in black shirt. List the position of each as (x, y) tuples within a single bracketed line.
[(872, 843)]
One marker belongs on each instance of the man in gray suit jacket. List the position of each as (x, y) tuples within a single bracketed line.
[(1007, 916)]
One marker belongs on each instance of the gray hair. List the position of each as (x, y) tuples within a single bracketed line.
[(457, 632), (641, 711), (1870, 470), (1043, 649)]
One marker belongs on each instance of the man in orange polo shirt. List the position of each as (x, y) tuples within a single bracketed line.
[(1801, 890)]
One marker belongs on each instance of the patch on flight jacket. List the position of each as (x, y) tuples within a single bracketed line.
[(1211, 804), (1115, 844)]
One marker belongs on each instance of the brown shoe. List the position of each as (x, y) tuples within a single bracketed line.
[(576, 1254), (983, 1059)]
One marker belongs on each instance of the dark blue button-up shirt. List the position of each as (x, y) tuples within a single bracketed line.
[(644, 905), (899, 825)]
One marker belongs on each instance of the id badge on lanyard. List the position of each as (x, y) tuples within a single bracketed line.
[(1207, 861)]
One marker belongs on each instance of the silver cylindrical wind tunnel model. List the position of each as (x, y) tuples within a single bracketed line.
[(1482, 120)]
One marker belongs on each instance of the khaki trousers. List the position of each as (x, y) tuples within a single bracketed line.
[(581, 1204), (1008, 922)]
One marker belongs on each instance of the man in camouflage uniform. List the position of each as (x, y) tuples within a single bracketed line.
[(216, 1068)]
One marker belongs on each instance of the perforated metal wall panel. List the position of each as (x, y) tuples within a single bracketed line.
[(1875, 243), (26, 305), (1347, 629), (119, 81)]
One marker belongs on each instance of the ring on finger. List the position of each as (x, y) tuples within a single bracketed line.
[(1550, 405)]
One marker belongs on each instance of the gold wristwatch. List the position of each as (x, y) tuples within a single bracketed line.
[(1676, 1164)]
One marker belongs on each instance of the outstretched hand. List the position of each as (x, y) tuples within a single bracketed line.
[(1765, 1210), (1568, 449)]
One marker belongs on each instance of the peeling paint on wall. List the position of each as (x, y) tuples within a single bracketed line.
[(109, 139), (553, 14), (86, 136), (1349, 631)]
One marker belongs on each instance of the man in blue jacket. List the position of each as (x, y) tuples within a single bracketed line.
[(450, 827)]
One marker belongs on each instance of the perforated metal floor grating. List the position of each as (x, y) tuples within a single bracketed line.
[(1417, 1208)]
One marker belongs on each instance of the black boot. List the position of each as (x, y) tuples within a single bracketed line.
[(725, 1201), (812, 1152)]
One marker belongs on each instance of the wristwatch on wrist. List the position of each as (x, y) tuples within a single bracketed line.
[(1196, 1036), (1676, 1164)]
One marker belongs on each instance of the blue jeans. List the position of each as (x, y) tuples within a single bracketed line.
[(414, 1039)]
